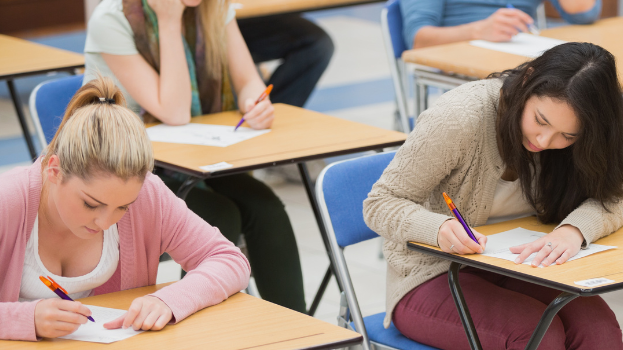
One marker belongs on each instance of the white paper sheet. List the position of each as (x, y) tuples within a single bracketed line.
[(202, 134), (522, 44), (498, 245), (95, 331)]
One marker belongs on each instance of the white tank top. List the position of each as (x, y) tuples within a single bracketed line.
[(32, 288), (509, 203)]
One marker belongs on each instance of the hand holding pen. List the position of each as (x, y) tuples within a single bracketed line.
[(456, 237), (58, 317), (259, 113)]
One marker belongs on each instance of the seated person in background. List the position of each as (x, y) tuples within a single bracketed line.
[(90, 213), (305, 48), (436, 22), (183, 58)]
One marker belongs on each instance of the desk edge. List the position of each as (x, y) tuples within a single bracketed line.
[(225, 172), (521, 276)]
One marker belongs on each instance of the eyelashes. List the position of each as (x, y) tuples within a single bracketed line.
[(90, 207), (536, 119)]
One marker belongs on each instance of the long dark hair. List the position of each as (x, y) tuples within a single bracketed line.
[(557, 181)]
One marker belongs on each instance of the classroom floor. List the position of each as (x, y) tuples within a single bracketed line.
[(356, 86)]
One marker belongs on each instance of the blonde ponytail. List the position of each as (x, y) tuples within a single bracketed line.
[(99, 135)]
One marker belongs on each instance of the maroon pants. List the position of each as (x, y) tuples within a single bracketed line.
[(505, 312)]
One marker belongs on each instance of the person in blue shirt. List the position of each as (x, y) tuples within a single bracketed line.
[(435, 22)]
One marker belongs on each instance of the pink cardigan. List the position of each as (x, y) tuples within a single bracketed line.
[(157, 222)]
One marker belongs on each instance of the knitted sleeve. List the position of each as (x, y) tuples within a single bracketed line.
[(444, 135), (595, 222)]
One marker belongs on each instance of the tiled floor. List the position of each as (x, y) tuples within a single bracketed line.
[(356, 86)]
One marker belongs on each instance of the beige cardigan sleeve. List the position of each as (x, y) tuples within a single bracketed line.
[(595, 222), (395, 206)]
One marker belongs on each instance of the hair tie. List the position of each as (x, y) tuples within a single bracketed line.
[(109, 100)]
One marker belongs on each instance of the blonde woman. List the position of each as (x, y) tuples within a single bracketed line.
[(182, 58), (90, 214)]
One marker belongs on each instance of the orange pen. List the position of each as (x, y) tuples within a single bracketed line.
[(259, 99)]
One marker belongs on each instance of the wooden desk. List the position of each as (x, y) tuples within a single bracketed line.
[(608, 264), (20, 58), (476, 62), (457, 63), (297, 136), (260, 8), (240, 322)]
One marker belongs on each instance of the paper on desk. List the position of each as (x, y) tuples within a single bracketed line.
[(522, 44), (95, 331), (202, 134), (498, 245)]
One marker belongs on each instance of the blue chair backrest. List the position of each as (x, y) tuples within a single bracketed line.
[(50, 99), (345, 185), (394, 22)]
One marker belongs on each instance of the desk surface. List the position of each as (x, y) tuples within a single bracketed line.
[(465, 59), (240, 322), (608, 264), (297, 135), (20, 57), (259, 8)]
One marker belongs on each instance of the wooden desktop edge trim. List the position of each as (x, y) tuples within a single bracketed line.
[(332, 345), (41, 71), (225, 172), (515, 274), (336, 345)]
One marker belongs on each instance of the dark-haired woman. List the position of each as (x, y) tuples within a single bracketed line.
[(543, 139)]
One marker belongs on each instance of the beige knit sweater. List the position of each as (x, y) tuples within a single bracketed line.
[(453, 149)]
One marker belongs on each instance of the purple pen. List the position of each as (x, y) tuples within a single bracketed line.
[(56, 288), (458, 216)]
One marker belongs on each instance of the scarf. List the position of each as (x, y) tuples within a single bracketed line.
[(209, 94)]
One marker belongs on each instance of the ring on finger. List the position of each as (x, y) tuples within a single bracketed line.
[(549, 244), (452, 247)]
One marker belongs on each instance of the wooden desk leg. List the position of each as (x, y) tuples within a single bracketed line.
[(561, 300), (466, 318), (309, 188), (22, 120)]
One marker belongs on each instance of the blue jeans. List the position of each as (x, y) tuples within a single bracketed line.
[(305, 48)]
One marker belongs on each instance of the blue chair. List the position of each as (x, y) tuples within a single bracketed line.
[(340, 190), (47, 105), (391, 26)]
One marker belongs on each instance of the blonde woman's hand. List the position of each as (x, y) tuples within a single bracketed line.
[(453, 239), (556, 247), (146, 313), (168, 10), (57, 317), (259, 116)]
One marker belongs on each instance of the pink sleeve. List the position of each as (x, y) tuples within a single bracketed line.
[(17, 321), (216, 268)]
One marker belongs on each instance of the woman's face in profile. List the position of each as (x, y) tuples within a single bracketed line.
[(548, 123)]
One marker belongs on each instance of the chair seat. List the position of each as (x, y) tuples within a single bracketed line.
[(391, 336)]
